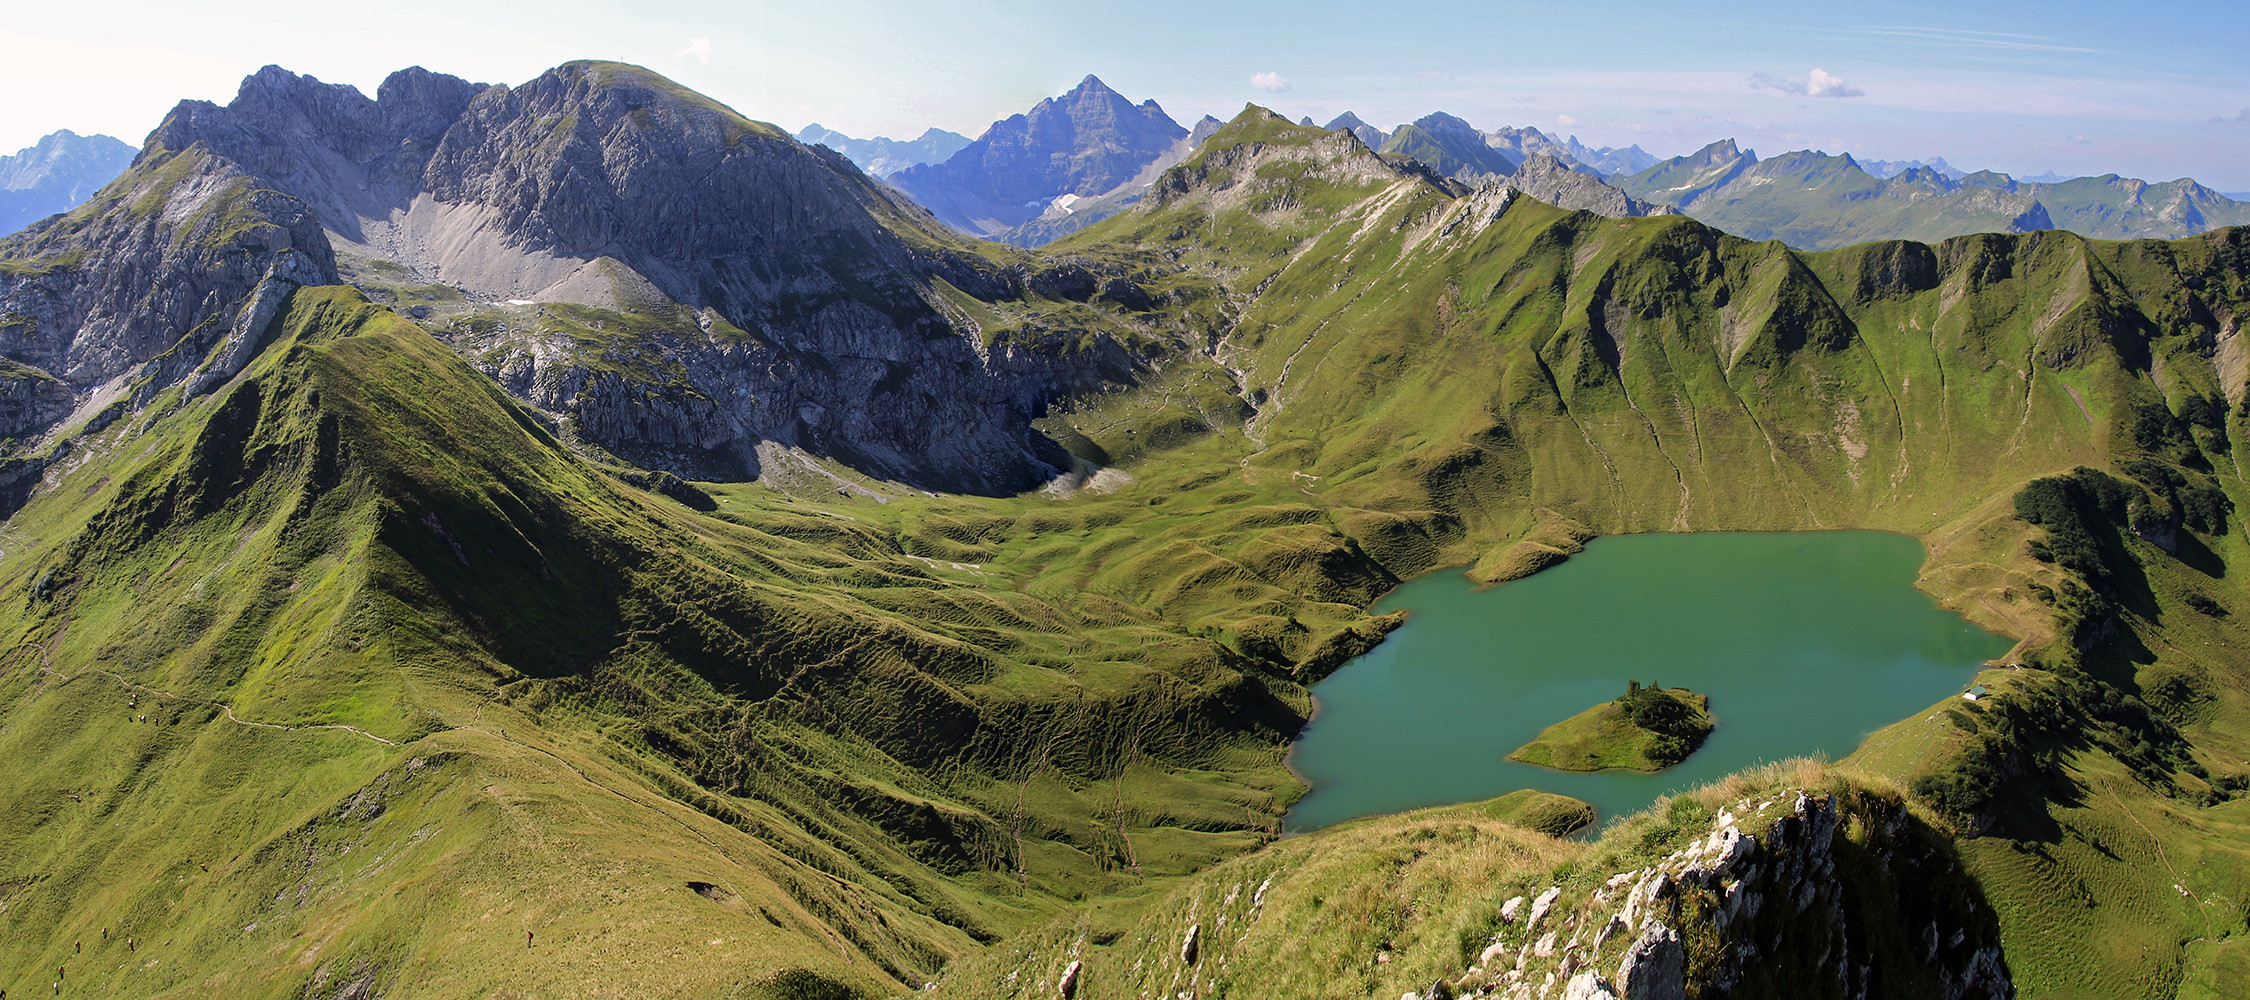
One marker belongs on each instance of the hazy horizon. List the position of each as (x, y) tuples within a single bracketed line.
[(2085, 88)]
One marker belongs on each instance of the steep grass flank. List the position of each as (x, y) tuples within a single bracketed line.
[(356, 621)]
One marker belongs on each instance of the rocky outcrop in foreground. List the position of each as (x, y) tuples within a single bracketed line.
[(1777, 900), (103, 309), (1752, 890)]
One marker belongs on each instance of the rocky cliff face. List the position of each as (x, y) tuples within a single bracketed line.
[(104, 308), (328, 145), (56, 175), (1777, 900), (1084, 143), (1552, 180), (1369, 134), (1820, 891), (793, 302)]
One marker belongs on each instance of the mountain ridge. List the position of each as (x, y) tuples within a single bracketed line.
[(882, 157), (654, 203), (1818, 201)]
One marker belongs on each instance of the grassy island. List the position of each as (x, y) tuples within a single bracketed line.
[(1648, 729), (1546, 812)]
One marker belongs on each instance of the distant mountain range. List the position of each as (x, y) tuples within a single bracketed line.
[(884, 157), (1813, 200), (1079, 158), (1887, 169), (56, 175), (1080, 145), (1082, 157), (1069, 213)]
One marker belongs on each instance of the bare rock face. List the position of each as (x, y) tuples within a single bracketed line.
[(105, 307), (786, 298), (328, 145), (93, 294), (1771, 902), (1547, 178), (1653, 967)]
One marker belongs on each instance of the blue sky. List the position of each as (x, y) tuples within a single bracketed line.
[(2155, 90)]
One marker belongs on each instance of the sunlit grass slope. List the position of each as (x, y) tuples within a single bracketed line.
[(352, 671), (360, 575)]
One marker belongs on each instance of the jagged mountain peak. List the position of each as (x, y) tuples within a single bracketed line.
[(1722, 151), (1081, 144), (1090, 84), (602, 198), (1369, 134)]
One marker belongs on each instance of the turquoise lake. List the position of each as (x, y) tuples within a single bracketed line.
[(1805, 642)]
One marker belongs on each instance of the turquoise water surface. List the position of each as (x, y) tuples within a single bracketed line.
[(1805, 642)]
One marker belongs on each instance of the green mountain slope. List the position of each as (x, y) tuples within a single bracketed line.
[(407, 676), (1450, 146), (390, 593), (1463, 363)]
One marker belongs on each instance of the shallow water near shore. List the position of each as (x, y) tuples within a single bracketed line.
[(1804, 641)]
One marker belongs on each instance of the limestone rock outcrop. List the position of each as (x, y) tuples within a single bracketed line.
[(1775, 900), (753, 292)]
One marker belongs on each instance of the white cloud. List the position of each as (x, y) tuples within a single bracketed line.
[(1818, 83), (1565, 121), (1825, 84), (1272, 83), (1431, 74), (699, 49)]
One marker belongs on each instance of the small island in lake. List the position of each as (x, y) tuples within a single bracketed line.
[(1649, 729)]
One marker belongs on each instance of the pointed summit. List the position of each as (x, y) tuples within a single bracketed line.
[(1682, 179), (1368, 134), (1081, 144)]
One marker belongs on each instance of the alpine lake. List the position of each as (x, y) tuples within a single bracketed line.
[(1805, 642)]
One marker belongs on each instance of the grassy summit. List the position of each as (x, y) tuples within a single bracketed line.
[(1648, 729)]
